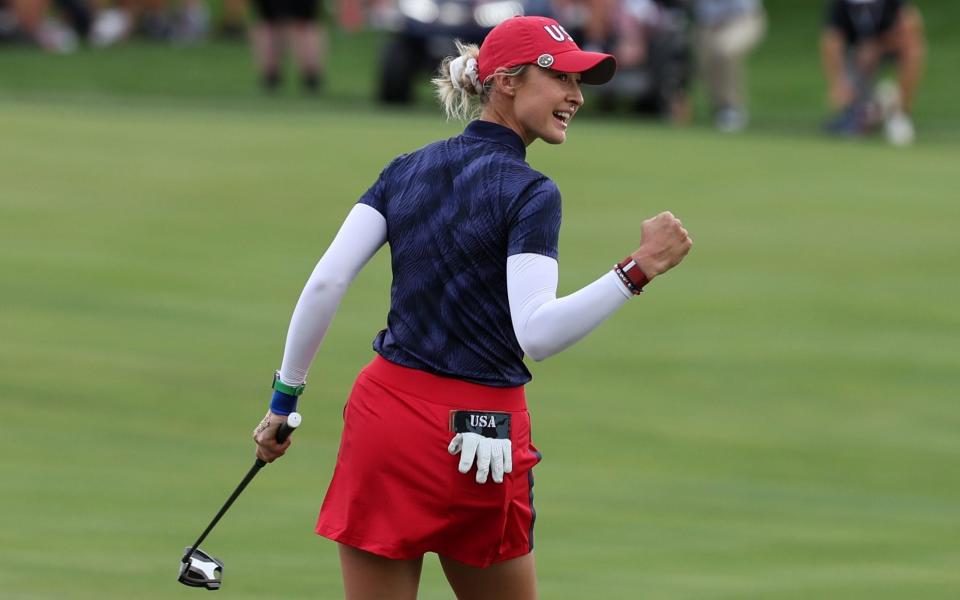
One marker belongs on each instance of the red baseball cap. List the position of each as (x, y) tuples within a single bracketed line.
[(544, 42)]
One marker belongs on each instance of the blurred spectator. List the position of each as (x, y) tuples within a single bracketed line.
[(294, 24), (32, 18), (189, 20), (727, 30), (352, 14), (859, 37), (653, 50), (183, 21), (591, 22), (114, 22), (234, 19)]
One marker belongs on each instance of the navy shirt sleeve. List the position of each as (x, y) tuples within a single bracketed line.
[(535, 225), (376, 196)]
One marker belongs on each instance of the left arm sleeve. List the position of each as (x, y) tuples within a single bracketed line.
[(363, 232), (544, 324)]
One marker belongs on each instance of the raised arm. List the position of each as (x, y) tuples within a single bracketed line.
[(545, 325)]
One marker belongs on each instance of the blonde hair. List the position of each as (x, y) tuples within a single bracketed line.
[(457, 95)]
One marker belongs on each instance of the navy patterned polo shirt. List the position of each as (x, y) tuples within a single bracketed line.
[(455, 210)]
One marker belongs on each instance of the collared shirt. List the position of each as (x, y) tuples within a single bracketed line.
[(455, 210)]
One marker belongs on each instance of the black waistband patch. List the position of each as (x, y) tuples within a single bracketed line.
[(488, 424)]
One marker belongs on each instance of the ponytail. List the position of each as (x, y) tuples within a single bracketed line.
[(457, 83)]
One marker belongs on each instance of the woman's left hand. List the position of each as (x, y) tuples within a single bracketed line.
[(265, 435)]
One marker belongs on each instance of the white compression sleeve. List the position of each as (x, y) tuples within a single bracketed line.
[(545, 324), (363, 232)]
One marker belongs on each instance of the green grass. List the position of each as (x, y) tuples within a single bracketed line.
[(776, 419)]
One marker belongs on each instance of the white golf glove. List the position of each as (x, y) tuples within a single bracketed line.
[(493, 455)]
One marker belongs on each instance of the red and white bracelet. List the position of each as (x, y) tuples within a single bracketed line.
[(631, 275)]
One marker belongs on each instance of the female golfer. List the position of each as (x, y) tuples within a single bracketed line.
[(473, 239)]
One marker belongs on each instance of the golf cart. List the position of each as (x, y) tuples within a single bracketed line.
[(423, 33)]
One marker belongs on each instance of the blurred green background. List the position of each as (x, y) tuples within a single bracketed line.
[(776, 419)]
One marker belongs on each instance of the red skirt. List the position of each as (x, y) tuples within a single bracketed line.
[(396, 491)]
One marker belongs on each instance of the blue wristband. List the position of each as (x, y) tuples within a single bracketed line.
[(283, 404)]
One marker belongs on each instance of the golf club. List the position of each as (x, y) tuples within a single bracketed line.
[(199, 569)]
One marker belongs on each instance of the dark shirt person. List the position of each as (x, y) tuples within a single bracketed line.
[(859, 37)]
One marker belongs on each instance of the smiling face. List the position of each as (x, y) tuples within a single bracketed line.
[(542, 103)]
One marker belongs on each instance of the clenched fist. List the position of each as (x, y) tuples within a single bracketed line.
[(663, 244)]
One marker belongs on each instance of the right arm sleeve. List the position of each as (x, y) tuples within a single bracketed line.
[(363, 232)]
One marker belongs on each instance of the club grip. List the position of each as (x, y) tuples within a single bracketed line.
[(285, 429)]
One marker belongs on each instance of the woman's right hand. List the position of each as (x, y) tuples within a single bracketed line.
[(663, 244)]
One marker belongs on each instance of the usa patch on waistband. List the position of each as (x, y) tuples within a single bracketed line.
[(488, 424)]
